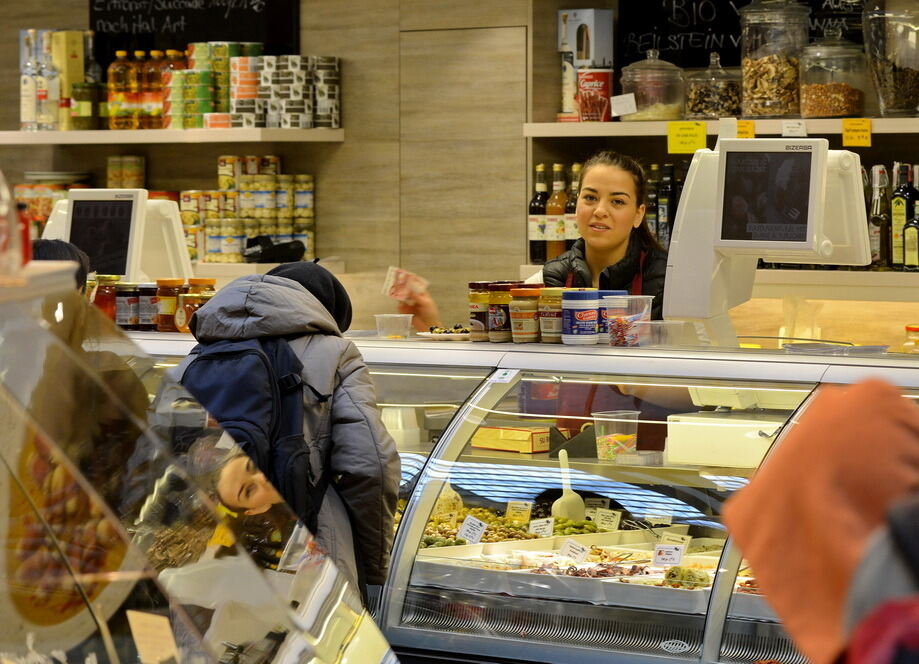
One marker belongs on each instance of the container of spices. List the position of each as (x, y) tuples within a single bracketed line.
[(657, 86), (524, 311), (104, 295), (579, 317), (478, 310), (550, 315), (713, 93), (146, 307), (834, 78), (127, 314), (891, 46), (499, 312), (188, 304), (602, 318), (167, 298), (772, 34), (202, 285)]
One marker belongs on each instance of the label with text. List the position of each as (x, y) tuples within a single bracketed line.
[(519, 510), (472, 530), (659, 518), (856, 132), (686, 137), (794, 129), (591, 505), (503, 376), (746, 129), (542, 527), (608, 519), (623, 104), (673, 538), (667, 555), (571, 549)]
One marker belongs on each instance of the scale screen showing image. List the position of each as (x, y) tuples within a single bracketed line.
[(102, 228)]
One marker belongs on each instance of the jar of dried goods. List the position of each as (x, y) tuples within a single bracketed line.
[(893, 54), (834, 78), (657, 86), (713, 93)]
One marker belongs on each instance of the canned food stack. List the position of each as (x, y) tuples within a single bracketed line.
[(285, 91), (198, 97), (327, 91), (244, 79), (173, 99), (125, 172)]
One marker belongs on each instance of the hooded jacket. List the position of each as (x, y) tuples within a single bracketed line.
[(364, 468), (618, 276)]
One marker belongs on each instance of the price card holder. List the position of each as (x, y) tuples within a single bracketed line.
[(591, 505), (503, 376), (542, 527), (746, 129), (673, 538), (668, 555), (472, 530), (518, 511), (608, 519), (153, 637), (856, 132), (577, 552), (686, 137), (622, 105), (659, 519), (794, 129)]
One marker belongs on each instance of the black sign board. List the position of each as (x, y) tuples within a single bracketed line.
[(162, 24)]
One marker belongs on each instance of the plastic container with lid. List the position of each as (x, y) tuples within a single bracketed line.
[(167, 299), (911, 345), (202, 285), (550, 315), (127, 314), (834, 78), (478, 310), (772, 34), (499, 313), (657, 86), (893, 54), (146, 307), (602, 317), (188, 304), (524, 310), (104, 295), (713, 93), (579, 316)]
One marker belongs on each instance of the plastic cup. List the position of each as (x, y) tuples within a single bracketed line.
[(394, 326), (616, 432), (658, 332), (623, 312)]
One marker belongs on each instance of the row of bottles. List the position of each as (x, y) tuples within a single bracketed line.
[(893, 227), (135, 88)]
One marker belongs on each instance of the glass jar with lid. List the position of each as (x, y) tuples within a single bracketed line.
[(911, 345), (657, 86), (834, 78), (772, 34), (890, 43), (104, 294), (713, 93)]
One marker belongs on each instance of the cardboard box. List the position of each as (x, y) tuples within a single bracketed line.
[(67, 55), (589, 34), (525, 440)]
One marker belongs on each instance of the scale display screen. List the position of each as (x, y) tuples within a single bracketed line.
[(102, 229)]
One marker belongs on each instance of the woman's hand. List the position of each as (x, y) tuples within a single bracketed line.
[(423, 309)]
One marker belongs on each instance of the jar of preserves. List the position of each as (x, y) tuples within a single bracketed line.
[(499, 313), (167, 299), (478, 310), (188, 304), (657, 86), (911, 345), (104, 295), (772, 34), (524, 311), (713, 93), (202, 285), (550, 315), (146, 307), (834, 78), (126, 305)]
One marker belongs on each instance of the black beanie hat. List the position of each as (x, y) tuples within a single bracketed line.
[(323, 285)]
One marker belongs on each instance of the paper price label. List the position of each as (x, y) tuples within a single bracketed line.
[(591, 505), (667, 555), (659, 518), (794, 129), (673, 538), (472, 530), (542, 527), (608, 519), (746, 129), (577, 552), (152, 637), (856, 132), (686, 137), (519, 510), (622, 105)]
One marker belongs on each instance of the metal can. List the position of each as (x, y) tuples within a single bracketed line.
[(270, 165), (251, 165), (229, 168), (190, 207), (594, 90), (133, 172), (230, 203), (113, 172), (211, 204), (193, 235)]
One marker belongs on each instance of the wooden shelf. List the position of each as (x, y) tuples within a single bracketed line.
[(763, 128), (837, 285), (140, 136)]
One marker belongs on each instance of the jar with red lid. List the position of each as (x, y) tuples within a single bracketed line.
[(146, 307), (912, 339), (104, 294), (167, 298), (127, 315)]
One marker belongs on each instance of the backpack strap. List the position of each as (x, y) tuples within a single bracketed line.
[(298, 346)]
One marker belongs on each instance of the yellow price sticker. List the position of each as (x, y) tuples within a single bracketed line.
[(746, 129), (518, 511), (685, 137), (856, 132)]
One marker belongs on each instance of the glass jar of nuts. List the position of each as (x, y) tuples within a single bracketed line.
[(834, 78), (772, 34), (712, 93)]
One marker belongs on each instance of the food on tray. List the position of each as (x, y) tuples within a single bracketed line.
[(687, 577), (499, 529), (749, 586), (440, 540), (569, 527), (705, 548), (599, 571), (456, 329)]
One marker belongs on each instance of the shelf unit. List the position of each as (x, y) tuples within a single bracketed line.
[(153, 136)]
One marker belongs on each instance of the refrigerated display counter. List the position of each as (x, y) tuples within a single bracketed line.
[(483, 572)]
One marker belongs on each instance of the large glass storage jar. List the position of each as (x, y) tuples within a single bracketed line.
[(834, 78), (772, 34), (712, 93), (892, 44), (657, 86)]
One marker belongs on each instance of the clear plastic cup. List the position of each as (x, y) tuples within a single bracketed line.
[(616, 432), (623, 312), (394, 326), (658, 332)]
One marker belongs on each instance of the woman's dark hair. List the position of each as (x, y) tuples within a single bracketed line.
[(58, 250), (633, 168)]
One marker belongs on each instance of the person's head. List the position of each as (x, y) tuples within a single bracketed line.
[(611, 202), (323, 285), (243, 488), (59, 250)]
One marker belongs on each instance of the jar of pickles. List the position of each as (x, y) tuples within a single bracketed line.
[(188, 304), (104, 295), (232, 242), (713, 93), (213, 238)]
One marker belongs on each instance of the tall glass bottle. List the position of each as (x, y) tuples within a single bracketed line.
[(47, 88), (151, 91), (92, 70), (911, 245), (536, 218), (664, 203), (122, 91), (902, 209), (571, 207), (569, 74), (555, 214), (27, 84), (879, 219)]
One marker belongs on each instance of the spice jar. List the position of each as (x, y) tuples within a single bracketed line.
[(167, 298), (478, 310), (657, 86), (890, 42), (126, 305), (104, 295), (550, 315), (146, 307), (188, 304), (524, 311), (834, 78), (499, 313), (712, 93), (202, 285), (772, 34)]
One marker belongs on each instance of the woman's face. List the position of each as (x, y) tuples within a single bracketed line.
[(242, 487), (608, 207)]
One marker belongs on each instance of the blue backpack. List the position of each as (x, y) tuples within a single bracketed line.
[(254, 389)]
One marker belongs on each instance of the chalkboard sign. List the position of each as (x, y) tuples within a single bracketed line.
[(162, 24), (686, 31)]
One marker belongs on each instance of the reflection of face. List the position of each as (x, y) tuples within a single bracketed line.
[(243, 487), (607, 208)]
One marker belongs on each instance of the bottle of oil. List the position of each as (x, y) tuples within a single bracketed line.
[(902, 209), (555, 214), (911, 244), (536, 218), (122, 92), (151, 92)]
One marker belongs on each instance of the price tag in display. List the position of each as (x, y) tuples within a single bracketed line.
[(856, 132), (577, 552), (659, 518), (667, 555), (608, 519), (622, 105), (542, 527), (152, 637), (794, 129), (673, 538), (746, 129), (472, 530), (518, 511), (591, 505), (503, 376), (685, 137)]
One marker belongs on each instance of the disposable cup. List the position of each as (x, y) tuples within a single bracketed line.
[(623, 312), (616, 432), (393, 326)]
